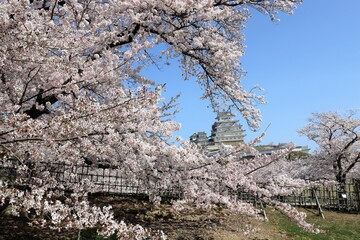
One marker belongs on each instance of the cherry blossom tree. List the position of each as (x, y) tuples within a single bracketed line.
[(338, 138), (71, 91)]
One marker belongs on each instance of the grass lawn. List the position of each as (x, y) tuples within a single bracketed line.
[(337, 226)]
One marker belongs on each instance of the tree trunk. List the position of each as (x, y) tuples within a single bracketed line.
[(342, 196), (357, 193)]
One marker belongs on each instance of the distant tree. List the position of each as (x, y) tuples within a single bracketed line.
[(71, 91), (295, 155), (338, 139)]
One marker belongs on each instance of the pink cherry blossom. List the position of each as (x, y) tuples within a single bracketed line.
[(71, 91)]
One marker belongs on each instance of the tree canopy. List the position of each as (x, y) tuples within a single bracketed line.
[(71, 91), (338, 139)]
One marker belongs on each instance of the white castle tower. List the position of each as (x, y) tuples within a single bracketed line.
[(226, 129)]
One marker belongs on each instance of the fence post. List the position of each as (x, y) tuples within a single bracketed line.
[(263, 210), (318, 203)]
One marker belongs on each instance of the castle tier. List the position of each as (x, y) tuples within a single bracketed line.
[(226, 129)]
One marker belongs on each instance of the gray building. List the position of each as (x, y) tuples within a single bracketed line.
[(227, 130)]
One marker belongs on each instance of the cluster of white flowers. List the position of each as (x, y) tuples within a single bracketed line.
[(338, 138), (71, 91)]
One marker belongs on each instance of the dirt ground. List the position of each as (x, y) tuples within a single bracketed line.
[(192, 225), (17, 228)]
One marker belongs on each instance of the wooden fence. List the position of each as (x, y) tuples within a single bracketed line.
[(104, 179), (325, 196), (328, 197), (113, 181)]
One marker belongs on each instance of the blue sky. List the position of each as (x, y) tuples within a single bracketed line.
[(308, 62)]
